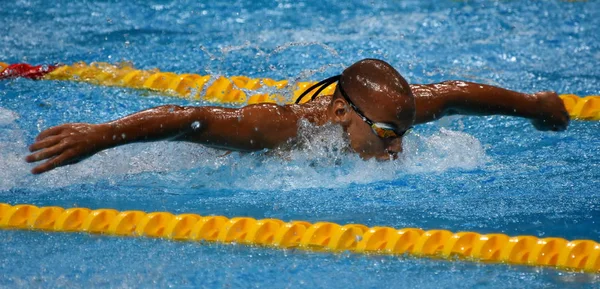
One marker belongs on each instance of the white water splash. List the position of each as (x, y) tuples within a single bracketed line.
[(442, 151), (12, 148), (7, 116), (319, 159)]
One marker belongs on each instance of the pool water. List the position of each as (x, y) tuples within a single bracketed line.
[(485, 174)]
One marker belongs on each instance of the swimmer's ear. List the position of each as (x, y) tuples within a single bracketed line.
[(340, 111)]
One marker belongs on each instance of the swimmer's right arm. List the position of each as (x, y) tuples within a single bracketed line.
[(251, 128), (433, 101)]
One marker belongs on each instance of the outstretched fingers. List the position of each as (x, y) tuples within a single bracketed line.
[(49, 132), (44, 143), (45, 153), (54, 162)]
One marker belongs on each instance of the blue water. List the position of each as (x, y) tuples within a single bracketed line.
[(483, 174)]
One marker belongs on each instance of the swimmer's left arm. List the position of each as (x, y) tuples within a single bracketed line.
[(433, 101)]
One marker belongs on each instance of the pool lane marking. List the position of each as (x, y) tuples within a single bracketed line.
[(578, 255), (216, 89)]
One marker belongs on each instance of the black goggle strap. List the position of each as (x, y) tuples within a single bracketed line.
[(323, 84), (358, 111), (364, 118)]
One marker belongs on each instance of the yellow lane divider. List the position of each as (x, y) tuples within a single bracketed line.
[(218, 89), (236, 89), (582, 108), (581, 255), (214, 89)]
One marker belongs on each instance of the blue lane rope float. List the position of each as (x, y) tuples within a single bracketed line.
[(580, 255), (217, 89)]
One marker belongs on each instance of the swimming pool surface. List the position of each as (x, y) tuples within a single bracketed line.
[(484, 174)]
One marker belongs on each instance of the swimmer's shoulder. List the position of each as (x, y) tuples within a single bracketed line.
[(314, 111)]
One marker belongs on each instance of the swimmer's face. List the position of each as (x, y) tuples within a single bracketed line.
[(363, 139), (369, 92)]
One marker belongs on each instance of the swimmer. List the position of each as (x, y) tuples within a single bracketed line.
[(373, 103)]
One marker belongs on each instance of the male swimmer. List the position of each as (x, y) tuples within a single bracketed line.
[(372, 102)]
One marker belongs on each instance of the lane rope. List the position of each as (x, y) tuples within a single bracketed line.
[(579, 255), (217, 89)]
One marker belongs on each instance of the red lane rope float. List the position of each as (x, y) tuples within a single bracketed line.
[(25, 70), (581, 255), (218, 89)]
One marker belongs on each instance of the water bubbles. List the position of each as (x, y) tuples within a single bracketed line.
[(7, 116), (288, 45), (284, 5), (318, 158), (158, 7), (358, 238), (195, 125), (441, 151), (210, 55)]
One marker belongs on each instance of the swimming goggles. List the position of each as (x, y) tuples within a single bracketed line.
[(380, 129)]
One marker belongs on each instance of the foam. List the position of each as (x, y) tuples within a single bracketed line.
[(321, 162), (318, 160), (7, 116), (12, 147)]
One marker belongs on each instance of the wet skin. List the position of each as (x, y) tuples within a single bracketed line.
[(384, 96)]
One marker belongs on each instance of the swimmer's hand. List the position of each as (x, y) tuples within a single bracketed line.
[(552, 112), (66, 144)]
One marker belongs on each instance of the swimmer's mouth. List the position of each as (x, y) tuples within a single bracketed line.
[(389, 156), (393, 155)]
